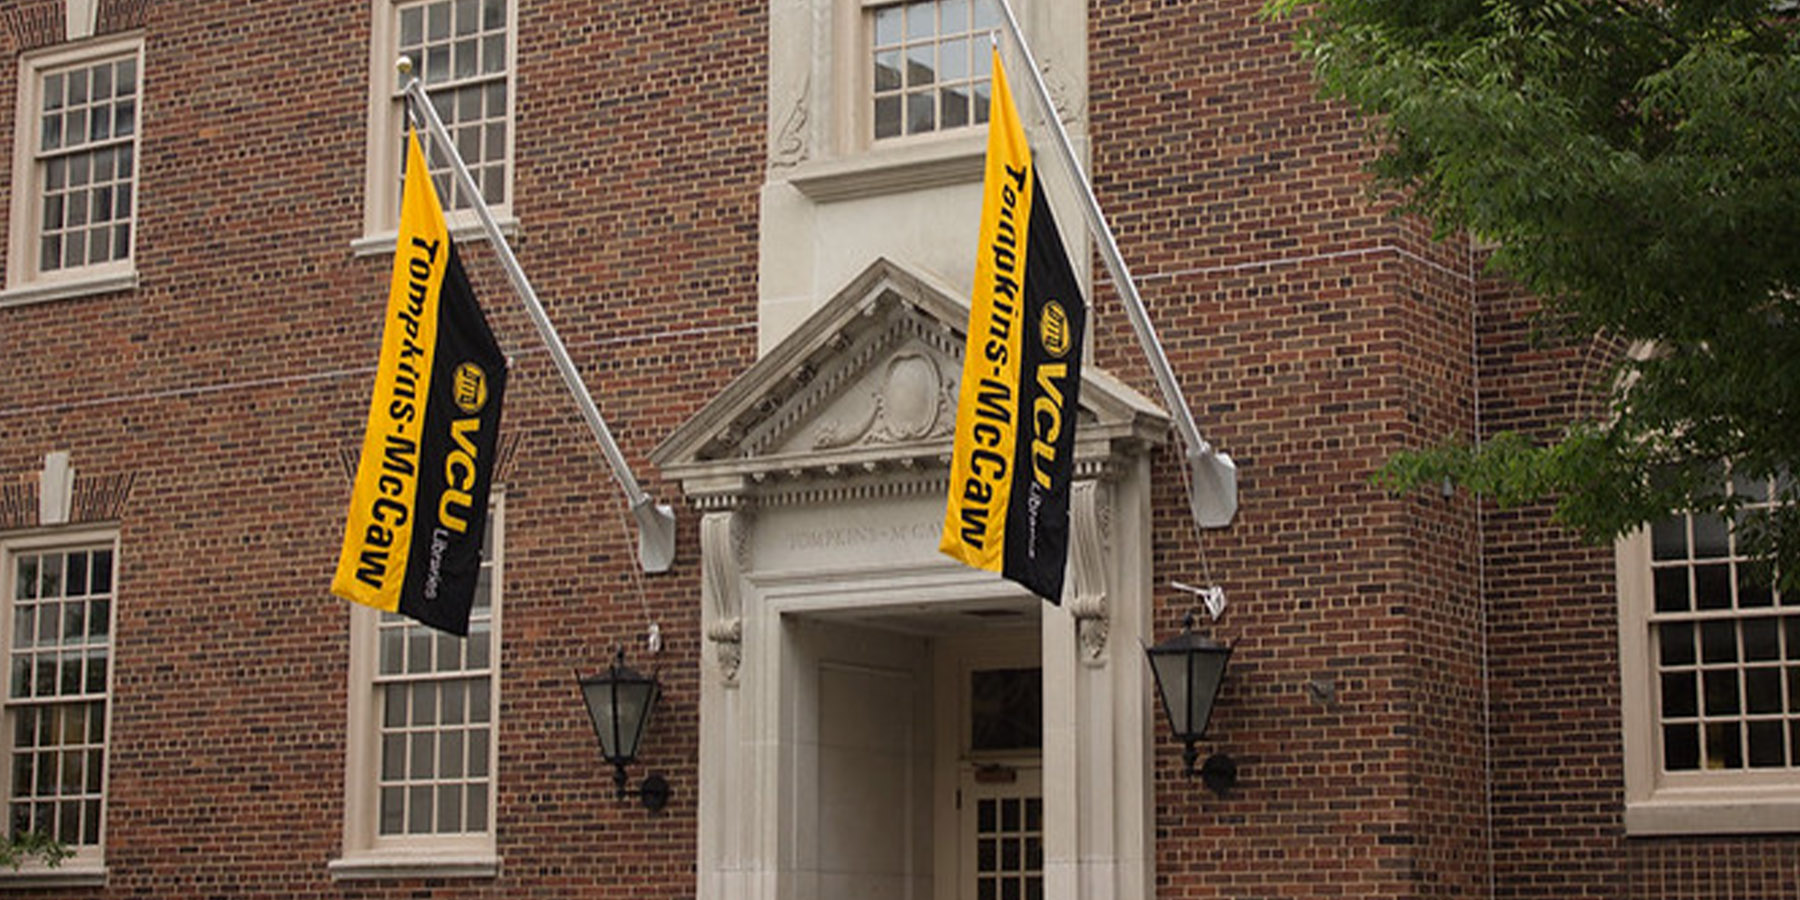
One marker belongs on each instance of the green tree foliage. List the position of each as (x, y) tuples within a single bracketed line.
[(1636, 164)]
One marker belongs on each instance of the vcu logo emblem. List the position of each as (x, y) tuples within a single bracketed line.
[(1053, 330), (469, 388)]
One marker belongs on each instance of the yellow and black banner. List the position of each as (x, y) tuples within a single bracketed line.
[(418, 509), (1010, 472)]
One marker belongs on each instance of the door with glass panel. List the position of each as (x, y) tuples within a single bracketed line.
[(1000, 798), (1003, 833)]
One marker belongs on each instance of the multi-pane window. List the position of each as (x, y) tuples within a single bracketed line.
[(462, 52), (1726, 649), (437, 724), (76, 164), (1009, 847), (59, 640), (1003, 793), (422, 728), (930, 64), (459, 48), (87, 132)]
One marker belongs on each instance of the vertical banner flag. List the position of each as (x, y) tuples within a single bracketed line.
[(1008, 505), (419, 505)]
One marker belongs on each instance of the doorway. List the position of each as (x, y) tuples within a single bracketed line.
[(991, 705), (918, 754)]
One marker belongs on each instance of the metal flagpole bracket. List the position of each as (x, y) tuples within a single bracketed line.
[(656, 535), (1212, 491), (1212, 487), (656, 522)]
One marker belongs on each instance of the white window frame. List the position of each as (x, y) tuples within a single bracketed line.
[(1738, 801), (386, 136), (25, 283), (367, 854), (87, 866)]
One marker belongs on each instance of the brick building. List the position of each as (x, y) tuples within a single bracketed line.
[(752, 223)]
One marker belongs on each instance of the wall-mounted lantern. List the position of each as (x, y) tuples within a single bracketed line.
[(1189, 669), (620, 701)]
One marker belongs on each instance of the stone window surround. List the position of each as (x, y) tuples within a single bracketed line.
[(819, 133)]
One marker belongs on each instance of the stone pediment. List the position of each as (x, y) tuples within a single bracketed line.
[(865, 391)]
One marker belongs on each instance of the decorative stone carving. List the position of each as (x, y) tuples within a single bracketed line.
[(913, 403), (873, 416), (1064, 96), (721, 549), (1088, 525), (790, 141)]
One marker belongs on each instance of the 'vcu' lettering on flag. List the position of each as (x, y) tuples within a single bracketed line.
[(419, 505), (1010, 471)]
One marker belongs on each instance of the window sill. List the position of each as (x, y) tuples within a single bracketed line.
[(462, 232), (414, 865), (1712, 812), (67, 875), (891, 170), (44, 292)]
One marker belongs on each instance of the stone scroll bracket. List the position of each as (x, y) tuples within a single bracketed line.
[(721, 567), (1089, 521)]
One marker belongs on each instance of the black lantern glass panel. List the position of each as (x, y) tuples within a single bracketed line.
[(619, 702), (1189, 670)]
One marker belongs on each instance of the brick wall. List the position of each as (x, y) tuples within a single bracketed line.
[(1314, 335), (1558, 767), (1424, 696), (231, 380)]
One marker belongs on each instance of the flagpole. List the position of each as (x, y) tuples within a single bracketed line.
[(656, 522), (1212, 471)]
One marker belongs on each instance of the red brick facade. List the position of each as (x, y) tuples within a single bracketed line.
[(1424, 698)]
